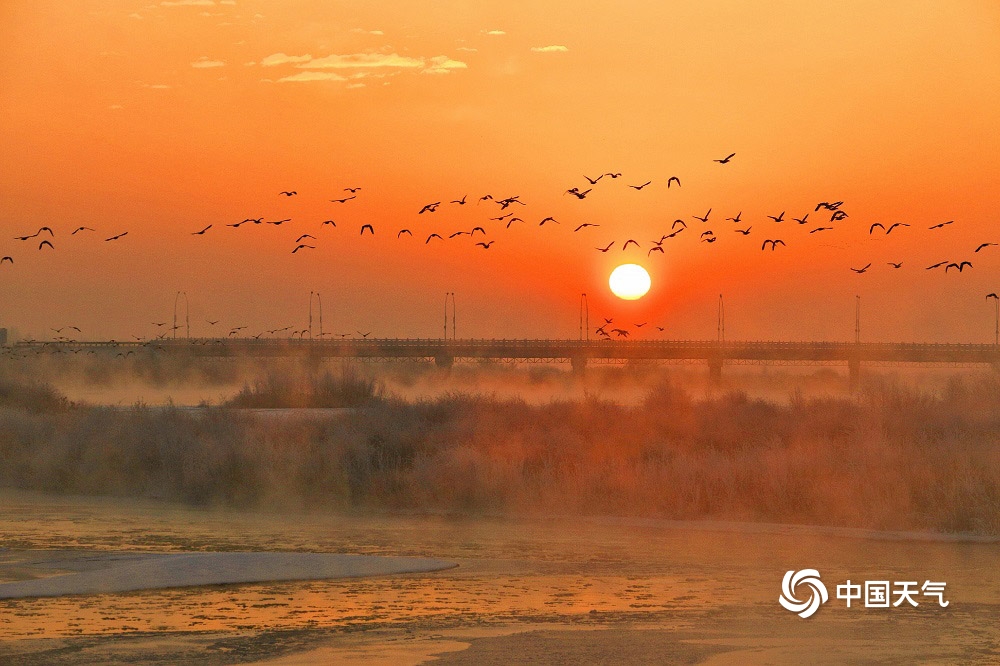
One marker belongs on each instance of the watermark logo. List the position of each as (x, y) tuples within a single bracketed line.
[(807, 578), (876, 593)]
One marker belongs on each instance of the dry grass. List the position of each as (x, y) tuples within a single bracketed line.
[(891, 457)]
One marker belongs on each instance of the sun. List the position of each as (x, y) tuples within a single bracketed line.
[(629, 281)]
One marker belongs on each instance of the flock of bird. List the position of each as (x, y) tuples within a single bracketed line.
[(509, 212)]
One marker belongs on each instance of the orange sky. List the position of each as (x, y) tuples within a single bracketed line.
[(161, 118)]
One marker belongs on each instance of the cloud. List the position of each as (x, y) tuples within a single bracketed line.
[(495, 32), (282, 59), (555, 48), (467, 49), (363, 60), (227, 2), (351, 86), (116, 106), (443, 65), (188, 3), (362, 31), (304, 77), (204, 63)]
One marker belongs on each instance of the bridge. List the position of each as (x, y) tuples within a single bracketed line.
[(579, 353)]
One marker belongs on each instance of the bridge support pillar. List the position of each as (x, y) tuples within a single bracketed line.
[(579, 364), (715, 370), (854, 372), (444, 362)]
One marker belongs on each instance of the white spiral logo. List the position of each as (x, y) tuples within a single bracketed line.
[(817, 592)]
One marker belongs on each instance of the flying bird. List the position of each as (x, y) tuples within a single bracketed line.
[(837, 216), (502, 217), (710, 239), (993, 296), (352, 190), (460, 202), (639, 187), (894, 225), (577, 193), (938, 226), (344, 200), (736, 219), (113, 238), (613, 175), (605, 249), (774, 243), (302, 247), (984, 245), (288, 193), (656, 248), (79, 229), (10, 259), (829, 206), (707, 233), (299, 239), (278, 223), (432, 236), (44, 243), (725, 160), (859, 271), (585, 225), (673, 179), (593, 181), (680, 222), (801, 220), (404, 231), (872, 228), (479, 229), (779, 218), (812, 231), (895, 265), (459, 233), (517, 219), (485, 197), (703, 219), (369, 228), (429, 208), (621, 333), (745, 232), (629, 241), (959, 266), (486, 246), (937, 265), (202, 232), (330, 222)]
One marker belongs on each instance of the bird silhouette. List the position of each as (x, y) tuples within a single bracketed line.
[(673, 179), (44, 243), (812, 231), (605, 249), (872, 228), (703, 219), (639, 187), (364, 335), (352, 190), (779, 218), (299, 239), (404, 231), (656, 248), (485, 197), (736, 219), (613, 175), (517, 219), (774, 243), (859, 271), (460, 202), (202, 232), (943, 224), (79, 229), (369, 227), (429, 208), (895, 264), (10, 259), (303, 247), (432, 236), (502, 217), (937, 265), (479, 229), (984, 245), (577, 193), (838, 215), (113, 238), (211, 323), (629, 241), (486, 246), (459, 233), (680, 222), (344, 200), (725, 160), (959, 266), (710, 239), (707, 233), (829, 206), (801, 220), (278, 223), (330, 222), (745, 232), (894, 225), (288, 193), (585, 225), (41, 229), (593, 181), (620, 332), (992, 295)]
